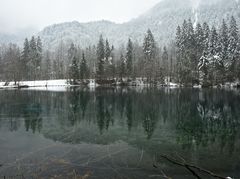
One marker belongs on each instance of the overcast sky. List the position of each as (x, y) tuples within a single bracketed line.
[(17, 15)]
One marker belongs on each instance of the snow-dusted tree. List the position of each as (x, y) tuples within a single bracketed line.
[(47, 66), (223, 62), (213, 55), (32, 64), (84, 72), (25, 58), (38, 57), (122, 69), (232, 53), (203, 69), (179, 52), (199, 36), (186, 50), (107, 50), (74, 70), (12, 62), (72, 56), (149, 51), (129, 58), (100, 58), (206, 32)]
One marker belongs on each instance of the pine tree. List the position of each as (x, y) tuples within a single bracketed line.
[(206, 32), (32, 65), (48, 66), (213, 55), (72, 53), (199, 36), (232, 50), (122, 71), (223, 63), (203, 68), (107, 50), (25, 58), (83, 68), (129, 58), (74, 70), (38, 57), (149, 51), (100, 58), (179, 52)]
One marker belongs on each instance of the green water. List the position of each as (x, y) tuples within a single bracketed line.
[(118, 133)]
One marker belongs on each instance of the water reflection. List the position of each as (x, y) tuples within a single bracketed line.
[(192, 122)]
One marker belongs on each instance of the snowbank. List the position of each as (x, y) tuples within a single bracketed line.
[(40, 83)]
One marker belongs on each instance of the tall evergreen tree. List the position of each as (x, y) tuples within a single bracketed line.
[(74, 70), (206, 32), (149, 51), (100, 58), (38, 57), (223, 60), (199, 36), (25, 58), (107, 50), (129, 58), (232, 53), (122, 69), (213, 55), (32, 65), (83, 68)]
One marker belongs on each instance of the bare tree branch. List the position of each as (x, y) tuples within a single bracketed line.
[(190, 167)]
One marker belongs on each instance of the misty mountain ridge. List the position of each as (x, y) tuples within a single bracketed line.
[(162, 19)]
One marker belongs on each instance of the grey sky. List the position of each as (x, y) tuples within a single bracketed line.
[(17, 15)]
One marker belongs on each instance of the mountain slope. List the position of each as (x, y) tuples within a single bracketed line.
[(161, 19)]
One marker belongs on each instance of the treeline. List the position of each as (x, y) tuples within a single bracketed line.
[(199, 55), (206, 55)]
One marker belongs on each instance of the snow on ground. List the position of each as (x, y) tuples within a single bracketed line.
[(39, 83), (49, 88)]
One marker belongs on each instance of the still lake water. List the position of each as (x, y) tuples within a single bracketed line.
[(118, 133)]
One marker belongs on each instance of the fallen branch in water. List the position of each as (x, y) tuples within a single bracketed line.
[(190, 167)]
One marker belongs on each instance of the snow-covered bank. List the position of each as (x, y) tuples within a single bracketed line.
[(55, 85), (39, 83)]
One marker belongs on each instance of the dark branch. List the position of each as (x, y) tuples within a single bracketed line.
[(190, 167)]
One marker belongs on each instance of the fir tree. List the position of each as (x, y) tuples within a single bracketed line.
[(83, 68), (107, 50), (213, 55), (74, 70), (32, 65), (149, 51), (38, 57), (122, 67), (232, 50), (199, 36), (25, 58), (129, 58), (100, 58), (223, 58)]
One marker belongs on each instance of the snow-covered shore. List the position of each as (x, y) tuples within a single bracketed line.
[(38, 83), (64, 83)]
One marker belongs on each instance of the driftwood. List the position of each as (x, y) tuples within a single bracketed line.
[(191, 167)]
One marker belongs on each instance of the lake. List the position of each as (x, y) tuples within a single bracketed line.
[(118, 132)]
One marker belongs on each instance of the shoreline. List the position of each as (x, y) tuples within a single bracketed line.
[(91, 83)]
